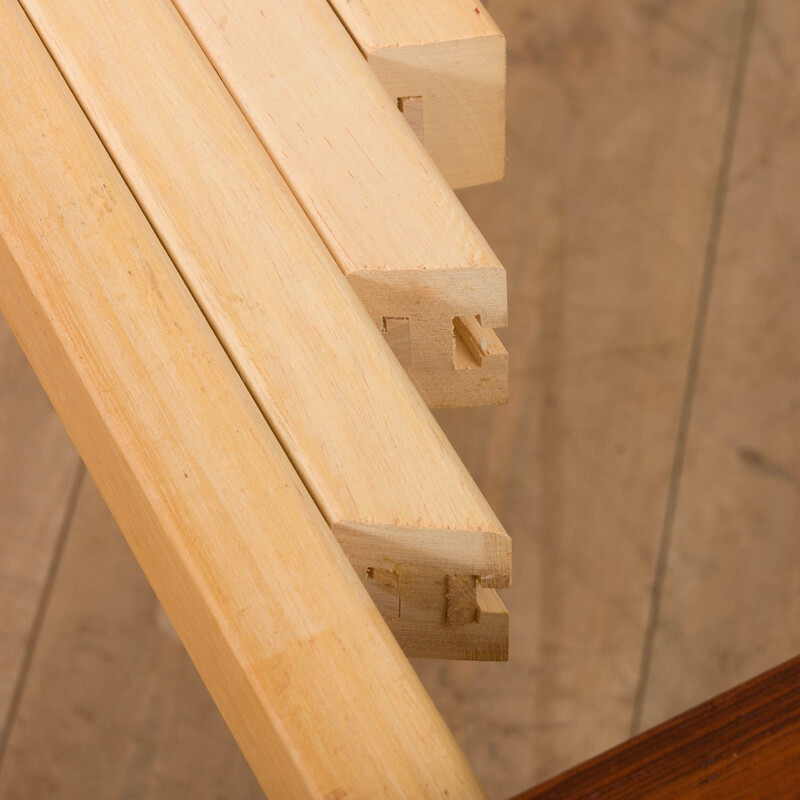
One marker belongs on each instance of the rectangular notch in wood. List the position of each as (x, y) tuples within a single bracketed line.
[(461, 599), (470, 343), (397, 332), (412, 111), (383, 586)]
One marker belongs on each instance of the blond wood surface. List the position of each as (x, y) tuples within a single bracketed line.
[(425, 584), (617, 121), (391, 222), (568, 179), (309, 679), (449, 58), (358, 434), (732, 591), (112, 705), (38, 469)]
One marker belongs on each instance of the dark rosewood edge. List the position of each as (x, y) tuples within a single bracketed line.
[(742, 745)]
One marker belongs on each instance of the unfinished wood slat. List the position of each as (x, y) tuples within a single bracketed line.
[(360, 437), (112, 706), (391, 222), (319, 696), (411, 573), (449, 59)]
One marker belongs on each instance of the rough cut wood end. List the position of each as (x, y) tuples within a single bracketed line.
[(440, 324), (434, 588), (445, 65), (459, 108)]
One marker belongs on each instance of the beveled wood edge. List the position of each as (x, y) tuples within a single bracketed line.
[(748, 736)]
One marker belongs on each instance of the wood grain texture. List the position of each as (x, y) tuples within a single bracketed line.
[(357, 432), (411, 575), (451, 55), (731, 596), (112, 705), (373, 194), (643, 64), (616, 124), (743, 744), (38, 469), (282, 632)]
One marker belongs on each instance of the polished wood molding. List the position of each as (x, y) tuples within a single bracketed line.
[(743, 744)]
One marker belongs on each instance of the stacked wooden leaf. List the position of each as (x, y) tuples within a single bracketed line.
[(210, 213)]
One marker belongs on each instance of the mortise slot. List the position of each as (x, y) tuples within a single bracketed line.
[(383, 586), (470, 345), (412, 111), (397, 332), (461, 599)]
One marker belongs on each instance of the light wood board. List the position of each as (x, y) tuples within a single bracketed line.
[(280, 628), (445, 63), (643, 62), (395, 228), (112, 705)]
